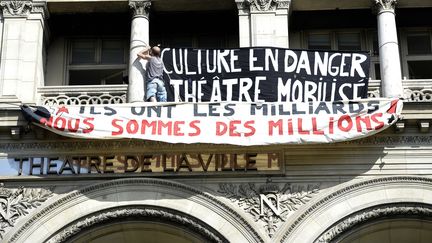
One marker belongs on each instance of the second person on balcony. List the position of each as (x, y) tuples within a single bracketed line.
[(155, 90)]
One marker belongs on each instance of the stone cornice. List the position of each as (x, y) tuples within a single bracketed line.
[(107, 146), (384, 5), (23, 8), (140, 8)]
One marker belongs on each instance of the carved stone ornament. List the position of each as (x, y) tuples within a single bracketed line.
[(317, 205), (41, 8), (99, 145), (16, 203), (373, 214), (208, 199), (118, 214), (263, 5), (140, 8), (16, 7), (381, 5), (22, 8), (269, 203)]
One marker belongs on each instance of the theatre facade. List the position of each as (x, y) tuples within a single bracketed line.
[(261, 157)]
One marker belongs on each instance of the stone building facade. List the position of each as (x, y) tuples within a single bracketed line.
[(375, 189)]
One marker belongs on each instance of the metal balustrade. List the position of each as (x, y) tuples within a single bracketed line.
[(419, 90), (83, 95), (415, 90)]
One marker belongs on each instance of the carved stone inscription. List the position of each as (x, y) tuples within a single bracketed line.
[(269, 203), (148, 163)]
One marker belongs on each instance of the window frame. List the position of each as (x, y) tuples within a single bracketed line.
[(374, 58), (366, 43), (98, 54), (333, 37), (405, 56)]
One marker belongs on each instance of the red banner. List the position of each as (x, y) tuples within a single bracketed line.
[(223, 123)]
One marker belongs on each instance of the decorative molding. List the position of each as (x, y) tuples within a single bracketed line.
[(262, 5), (242, 4), (392, 140), (117, 214), (357, 186), (41, 7), (16, 203), (370, 214), (269, 203), (381, 5), (283, 4), (23, 8), (210, 201), (14, 148), (140, 8), (16, 8), (97, 145)]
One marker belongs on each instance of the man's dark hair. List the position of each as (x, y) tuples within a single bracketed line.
[(156, 51)]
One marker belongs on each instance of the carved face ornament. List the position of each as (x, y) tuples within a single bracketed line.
[(263, 4), (16, 7)]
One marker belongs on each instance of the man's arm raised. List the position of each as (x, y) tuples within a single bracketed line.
[(145, 53)]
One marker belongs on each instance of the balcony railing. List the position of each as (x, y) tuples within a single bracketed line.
[(415, 90), (83, 95), (418, 90)]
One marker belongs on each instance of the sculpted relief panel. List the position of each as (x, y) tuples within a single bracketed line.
[(17, 203), (269, 204)]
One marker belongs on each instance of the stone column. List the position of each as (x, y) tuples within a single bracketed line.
[(139, 40), (23, 51), (263, 22), (390, 66)]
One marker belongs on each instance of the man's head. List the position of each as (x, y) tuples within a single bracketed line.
[(156, 51)]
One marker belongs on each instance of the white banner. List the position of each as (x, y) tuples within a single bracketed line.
[(224, 123)]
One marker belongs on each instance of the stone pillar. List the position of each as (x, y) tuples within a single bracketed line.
[(263, 22), (23, 51), (139, 40), (390, 66)]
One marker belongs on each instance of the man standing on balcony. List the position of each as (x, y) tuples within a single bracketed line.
[(154, 74)]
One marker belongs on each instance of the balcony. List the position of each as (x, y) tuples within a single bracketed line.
[(418, 90)]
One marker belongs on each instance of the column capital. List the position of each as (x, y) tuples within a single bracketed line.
[(384, 5), (41, 7), (140, 7), (23, 8), (262, 5)]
